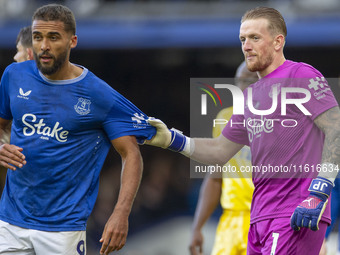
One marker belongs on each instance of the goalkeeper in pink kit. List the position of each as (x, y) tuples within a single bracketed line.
[(292, 125)]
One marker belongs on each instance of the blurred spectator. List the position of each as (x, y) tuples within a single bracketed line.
[(162, 194)]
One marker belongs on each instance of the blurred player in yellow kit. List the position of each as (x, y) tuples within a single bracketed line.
[(234, 192)]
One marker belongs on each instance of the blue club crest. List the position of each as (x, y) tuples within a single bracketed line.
[(83, 106)]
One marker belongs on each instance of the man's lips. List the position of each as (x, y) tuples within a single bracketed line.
[(45, 58), (250, 56)]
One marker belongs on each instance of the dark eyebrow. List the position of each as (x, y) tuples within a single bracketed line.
[(49, 33), (53, 33)]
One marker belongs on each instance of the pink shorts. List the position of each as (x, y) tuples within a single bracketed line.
[(276, 237)]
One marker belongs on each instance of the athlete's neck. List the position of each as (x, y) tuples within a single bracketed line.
[(276, 63), (66, 72)]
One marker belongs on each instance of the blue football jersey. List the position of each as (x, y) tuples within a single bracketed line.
[(64, 128)]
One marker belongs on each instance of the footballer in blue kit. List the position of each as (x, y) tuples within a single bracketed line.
[(65, 128), (65, 120)]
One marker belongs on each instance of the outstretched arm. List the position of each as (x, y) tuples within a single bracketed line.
[(116, 228), (212, 151), (204, 150), (209, 198)]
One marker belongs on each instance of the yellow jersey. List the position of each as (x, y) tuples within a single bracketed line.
[(237, 188)]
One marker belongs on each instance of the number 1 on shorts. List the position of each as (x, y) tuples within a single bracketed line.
[(275, 238)]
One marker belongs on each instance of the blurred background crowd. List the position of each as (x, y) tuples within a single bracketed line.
[(148, 51)]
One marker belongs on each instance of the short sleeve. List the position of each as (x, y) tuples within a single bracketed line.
[(5, 110), (124, 118), (322, 97), (235, 130)]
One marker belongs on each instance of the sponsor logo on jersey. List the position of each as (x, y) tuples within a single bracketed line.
[(256, 127), (139, 121), (319, 87), (35, 126), (24, 95), (317, 83), (83, 106)]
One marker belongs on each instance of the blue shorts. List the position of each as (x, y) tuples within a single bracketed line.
[(276, 237)]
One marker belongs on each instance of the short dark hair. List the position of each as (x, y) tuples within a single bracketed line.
[(57, 12), (25, 37), (277, 24)]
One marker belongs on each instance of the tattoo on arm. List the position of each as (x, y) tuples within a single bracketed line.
[(329, 123)]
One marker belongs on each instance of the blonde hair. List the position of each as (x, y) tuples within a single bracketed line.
[(277, 24)]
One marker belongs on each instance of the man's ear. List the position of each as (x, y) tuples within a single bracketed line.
[(29, 53), (279, 42), (74, 41)]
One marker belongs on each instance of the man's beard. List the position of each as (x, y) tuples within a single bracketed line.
[(260, 65), (57, 62)]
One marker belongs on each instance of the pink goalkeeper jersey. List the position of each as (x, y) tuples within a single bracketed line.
[(283, 146)]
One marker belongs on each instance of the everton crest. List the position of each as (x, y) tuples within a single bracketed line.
[(83, 106)]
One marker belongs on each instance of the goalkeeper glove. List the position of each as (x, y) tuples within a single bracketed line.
[(171, 139), (309, 212)]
